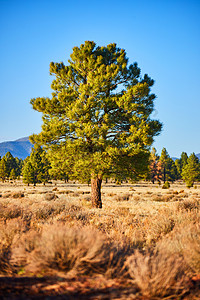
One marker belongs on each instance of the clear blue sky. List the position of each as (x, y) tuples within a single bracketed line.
[(163, 36)]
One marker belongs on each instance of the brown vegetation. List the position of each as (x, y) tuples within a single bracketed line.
[(143, 244)]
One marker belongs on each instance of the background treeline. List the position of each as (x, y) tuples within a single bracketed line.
[(164, 168), (37, 168)]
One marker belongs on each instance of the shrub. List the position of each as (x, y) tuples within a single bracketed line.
[(166, 185), (124, 197), (188, 204), (50, 196), (17, 194), (63, 248), (158, 273)]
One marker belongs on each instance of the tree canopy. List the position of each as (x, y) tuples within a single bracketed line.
[(99, 115), (191, 170)]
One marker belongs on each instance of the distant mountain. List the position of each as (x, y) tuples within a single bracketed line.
[(20, 148), (198, 155)]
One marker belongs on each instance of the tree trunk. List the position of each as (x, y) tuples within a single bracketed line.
[(96, 192), (164, 175)]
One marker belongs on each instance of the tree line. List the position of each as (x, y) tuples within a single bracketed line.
[(163, 168), (39, 168)]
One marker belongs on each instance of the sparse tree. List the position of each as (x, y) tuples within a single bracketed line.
[(100, 112)]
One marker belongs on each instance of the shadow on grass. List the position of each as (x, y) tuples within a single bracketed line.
[(61, 288)]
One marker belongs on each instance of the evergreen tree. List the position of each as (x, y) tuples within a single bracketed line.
[(180, 164), (3, 169), (28, 172), (13, 175), (100, 113), (36, 167), (155, 166), (60, 165), (10, 163), (19, 165), (191, 171), (169, 171)]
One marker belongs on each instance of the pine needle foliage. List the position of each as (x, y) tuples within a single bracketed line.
[(98, 116)]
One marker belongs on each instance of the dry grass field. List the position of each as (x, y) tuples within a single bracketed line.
[(143, 244)]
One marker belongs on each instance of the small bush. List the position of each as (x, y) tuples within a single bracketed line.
[(158, 273), (50, 196), (166, 185), (17, 194), (11, 212), (188, 204), (124, 197), (63, 248)]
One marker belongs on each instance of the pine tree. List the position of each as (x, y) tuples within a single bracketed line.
[(169, 171), (36, 167), (191, 171), (155, 166), (3, 169), (100, 113), (13, 175), (10, 163), (180, 164), (28, 172)]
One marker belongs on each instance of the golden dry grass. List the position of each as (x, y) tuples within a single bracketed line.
[(144, 234)]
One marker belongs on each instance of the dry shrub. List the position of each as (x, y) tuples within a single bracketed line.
[(149, 193), (111, 194), (136, 198), (188, 204), (124, 197), (7, 234), (163, 198), (10, 212), (49, 210), (63, 248), (157, 198), (175, 192), (65, 192), (75, 194), (50, 196), (158, 273), (6, 194), (184, 240), (17, 194)]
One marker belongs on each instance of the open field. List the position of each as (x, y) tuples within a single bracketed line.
[(143, 244)]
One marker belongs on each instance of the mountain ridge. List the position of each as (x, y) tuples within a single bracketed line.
[(21, 148)]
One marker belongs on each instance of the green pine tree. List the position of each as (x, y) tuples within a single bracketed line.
[(36, 167), (99, 113), (10, 163), (191, 171), (168, 166), (13, 175), (3, 169), (28, 172)]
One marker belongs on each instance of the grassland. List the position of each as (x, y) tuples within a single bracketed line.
[(143, 244)]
